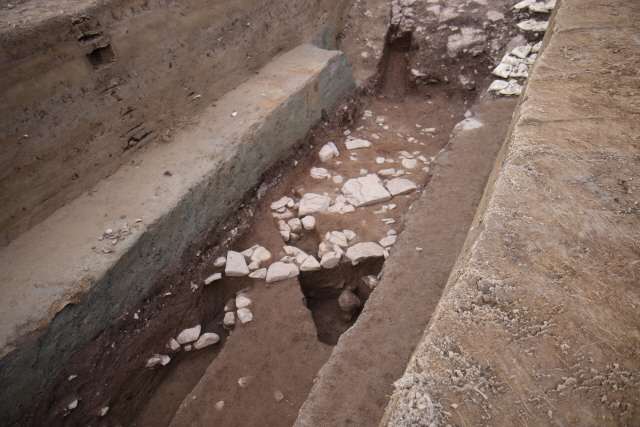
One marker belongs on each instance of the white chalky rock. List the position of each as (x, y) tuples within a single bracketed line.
[(521, 51), (387, 172), (249, 252), (281, 203), (212, 278), (498, 85), (360, 251), (261, 254), (320, 173), (330, 260), (288, 259), (236, 265), (338, 250), (280, 271), (220, 261), (399, 186), (349, 234), (323, 248), (388, 241), (162, 359), (291, 250), (312, 202), (536, 47), (206, 340), (409, 163), (230, 305), (219, 406), (286, 235), (278, 395), (245, 315), (188, 335), (494, 15), (229, 319), (254, 265), (469, 124), (514, 88), (379, 160), (310, 264), (338, 238), (187, 347), (337, 179), (283, 226), (260, 273), (524, 4), (295, 224), (365, 191), (533, 25), (326, 153), (242, 301), (301, 258), (308, 222), (503, 70), (72, 405), (103, 411), (174, 345), (358, 143)]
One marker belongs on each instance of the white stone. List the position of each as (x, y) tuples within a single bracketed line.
[(206, 340), (288, 259), (283, 226), (388, 221), (521, 70), (336, 153), (494, 15), (220, 261), (338, 238), (358, 143), (187, 347), (295, 224), (409, 163), (161, 359), (301, 258), (521, 51), (524, 4), (387, 172), (536, 47), (379, 160), (286, 235), (103, 411), (308, 222), (261, 254), (229, 318), (503, 70), (349, 234), (498, 85), (248, 252), (72, 405), (284, 201), (245, 315), (260, 273), (514, 88), (388, 241), (310, 264), (312, 202), (467, 38), (189, 335), (236, 265), (174, 345), (338, 250), (323, 248), (291, 250), (242, 301), (533, 25), (320, 173), (326, 153), (280, 271), (337, 179), (399, 186), (360, 251), (365, 191), (330, 260), (219, 406), (469, 124), (212, 278)]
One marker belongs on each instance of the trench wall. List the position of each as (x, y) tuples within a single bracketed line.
[(84, 85), (538, 322)]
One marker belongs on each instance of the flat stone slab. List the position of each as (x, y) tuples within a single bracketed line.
[(46, 274), (366, 190)]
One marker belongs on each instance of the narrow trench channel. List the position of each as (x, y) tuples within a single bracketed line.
[(153, 397)]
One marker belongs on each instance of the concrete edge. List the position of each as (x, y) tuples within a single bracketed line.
[(52, 312)]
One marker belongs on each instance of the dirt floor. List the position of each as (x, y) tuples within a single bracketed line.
[(297, 322)]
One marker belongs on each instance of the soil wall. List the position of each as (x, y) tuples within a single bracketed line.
[(84, 85)]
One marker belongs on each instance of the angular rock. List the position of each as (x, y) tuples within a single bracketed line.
[(236, 265), (338, 238), (521, 51), (409, 163), (220, 261), (219, 406), (254, 265), (310, 264), (320, 173), (212, 278), (533, 25), (360, 251), (206, 340), (365, 191), (245, 315), (358, 143), (291, 250), (229, 319), (286, 235), (174, 345), (283, 226), (503, 70), (323, 248), (398, 186), (308, 222), (337, 179), (387, 172), (301, 258), (349, 301), (469, 124), (328, 151), (189, 335), (260, 273), (284, 201), (242, 301), (330, 260), (349, 234), (280, 271), (312, 202), (498, 85), (295, 225), (389, 240)]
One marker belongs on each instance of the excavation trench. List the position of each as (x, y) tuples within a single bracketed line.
[(296, 322)]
